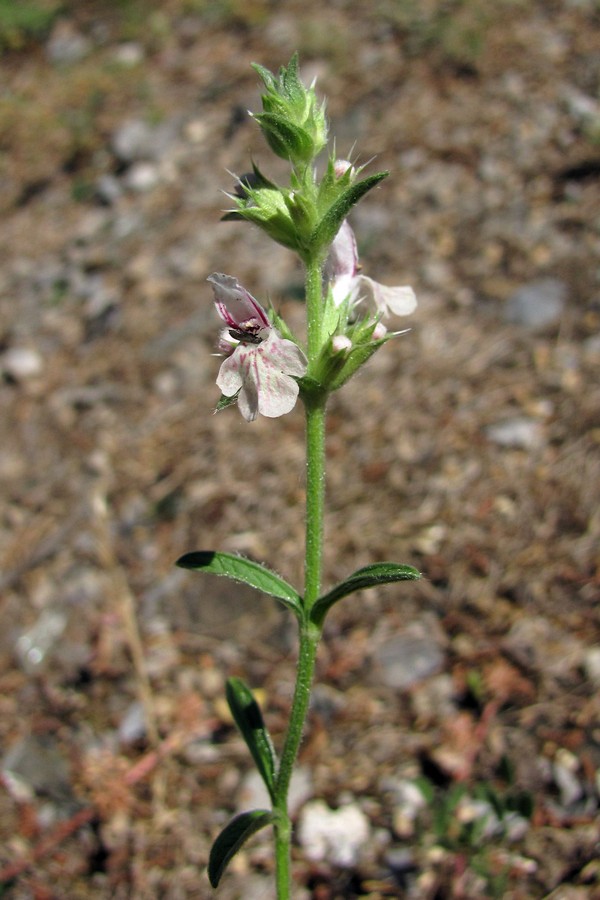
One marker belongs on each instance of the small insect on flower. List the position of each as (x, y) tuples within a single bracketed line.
[(261, 367)]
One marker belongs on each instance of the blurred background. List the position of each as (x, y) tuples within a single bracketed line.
[(454, 736)]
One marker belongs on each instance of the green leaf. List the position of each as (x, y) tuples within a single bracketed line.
[(245, 571), (233, 836), (369, 576), (329, 225), (248, 718)]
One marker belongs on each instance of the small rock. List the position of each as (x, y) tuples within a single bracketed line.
[(401, 860), (136, 140), (108, 189), (564, 771), (133, 724), (591, 665), (591, 348), (537, 305), (436, 699), (37, 644), (407, 659), (520, 432), (409, 800), (35, 766), (142, 176), (535, 643), (129, 54), (335, 835), (132, 141), (21, 362), (66, 45)]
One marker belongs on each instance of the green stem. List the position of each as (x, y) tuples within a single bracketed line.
[(310, 634), (314, 310), (309, 640)]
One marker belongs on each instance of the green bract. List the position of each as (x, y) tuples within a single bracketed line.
[(292, 122), (305, 215)]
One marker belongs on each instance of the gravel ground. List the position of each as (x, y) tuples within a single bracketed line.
[(454, 735)]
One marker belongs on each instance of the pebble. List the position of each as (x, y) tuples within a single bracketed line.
[(21, 363), (401, 860), (35, 766), (520, 432), (336, 835), (535, 643), (564, 771), (36, 645), (591, 348), (135, 140), (143, 176), (66, 45), (129, 54), (591, 665), (537, 305), (409, 800), (133, 724), (108, 189), (407, 659), (132, 141)]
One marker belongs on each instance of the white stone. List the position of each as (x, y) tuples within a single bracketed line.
[(22, 362), (334, 835)]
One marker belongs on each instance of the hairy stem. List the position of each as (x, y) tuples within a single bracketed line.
[(309, 634)]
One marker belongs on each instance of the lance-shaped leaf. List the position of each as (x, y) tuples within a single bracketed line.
[(369, 576), (329, 225), (233, 836), (248, 718), (245, 571)]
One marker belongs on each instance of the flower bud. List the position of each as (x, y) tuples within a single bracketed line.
[(292, 122), (341, 344)]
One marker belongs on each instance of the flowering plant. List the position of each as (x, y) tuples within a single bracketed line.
[(265, 371)]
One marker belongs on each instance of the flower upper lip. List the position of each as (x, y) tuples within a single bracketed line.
[(236, 306)]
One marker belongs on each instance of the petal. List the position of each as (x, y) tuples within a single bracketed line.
[(343, 255), (267, 371), (284, 355), (342, 288), (278, 394), (399, 301), (230, 378), (248, 401), (234, 303)]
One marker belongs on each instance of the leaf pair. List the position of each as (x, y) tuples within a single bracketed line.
[(244, 708), (263, 579)]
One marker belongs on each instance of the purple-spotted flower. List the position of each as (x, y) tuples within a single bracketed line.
[(347, 282), (261, 366)]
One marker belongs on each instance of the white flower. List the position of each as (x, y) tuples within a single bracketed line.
[(261, 366), (348, 283)]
